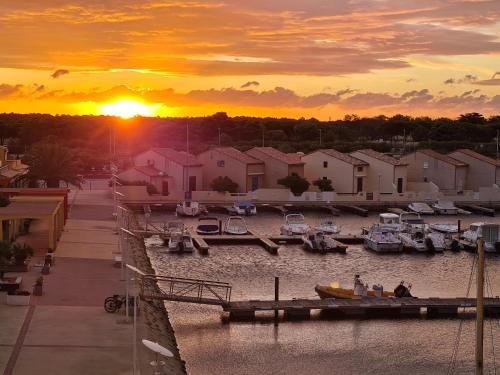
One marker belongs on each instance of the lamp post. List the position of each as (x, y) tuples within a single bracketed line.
[(129, 233), (141, 275)]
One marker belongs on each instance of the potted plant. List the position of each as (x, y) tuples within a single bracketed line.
[(38, 287), (19, 298), (21, 252)]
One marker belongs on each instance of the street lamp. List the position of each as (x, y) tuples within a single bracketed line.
[(129, 233), (141, 274)]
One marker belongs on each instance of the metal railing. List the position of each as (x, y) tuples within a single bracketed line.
[(185, 290)]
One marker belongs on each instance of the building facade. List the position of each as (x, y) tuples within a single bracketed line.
[(277, 165), (347, 173), (241, 168), (483, 170), (444, 171), (386, 174)]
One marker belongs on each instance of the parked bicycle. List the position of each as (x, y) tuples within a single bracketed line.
[(114, 303)]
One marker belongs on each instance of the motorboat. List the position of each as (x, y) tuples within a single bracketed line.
[(361, 290), (171, 227), (390, 220), (422, 240), (444, 227), (319, 242), (449, 232), (421, 208), (188, 208), (244, 208), (410, 220), (382, 240), (294, 225), (207, 226), (180, 242), (445, 208), (489, 232), (235, 225), (328, 226)]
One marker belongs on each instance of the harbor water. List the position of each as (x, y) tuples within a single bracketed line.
[(211, 345)]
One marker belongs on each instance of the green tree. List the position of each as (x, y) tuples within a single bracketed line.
[(323, 184), (295, 183), (222, 184), (53, 162), (21, 252)]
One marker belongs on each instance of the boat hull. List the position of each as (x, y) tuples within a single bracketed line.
[(383, 247), (326, 292)]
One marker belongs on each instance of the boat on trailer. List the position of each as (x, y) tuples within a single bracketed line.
[(445, 208), (207, 226), (294, 225), (421, 208), (319, 242), (235, 225)]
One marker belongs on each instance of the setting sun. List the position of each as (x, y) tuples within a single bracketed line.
[(127, 109)]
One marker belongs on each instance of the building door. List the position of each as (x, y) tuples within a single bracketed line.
[(400, 185), (192, 183), (164, 187), (255, 183), (359, 184)]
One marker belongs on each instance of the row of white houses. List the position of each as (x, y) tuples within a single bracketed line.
[(360, 172)]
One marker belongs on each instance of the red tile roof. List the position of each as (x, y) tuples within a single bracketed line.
[(148, 171), (443, 158), (178, 157), (291, 158), (344, 157), (237, 155), (385, 158), (478, 156)]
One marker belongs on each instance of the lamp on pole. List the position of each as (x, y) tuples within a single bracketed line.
[(141, 275), (128, 233)]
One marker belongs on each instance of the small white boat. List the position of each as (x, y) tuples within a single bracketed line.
[(294, 224), (445, 208), (328, 226), (421, 208), (169, 228), (319, 242), (444, 227), (207, 226), (382, 240), (410, 220), (180, 242), (244, 208), (188, 208), (421, 239), (235, 225), (489, 232)]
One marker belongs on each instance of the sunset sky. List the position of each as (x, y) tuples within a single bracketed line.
[(294, 58)]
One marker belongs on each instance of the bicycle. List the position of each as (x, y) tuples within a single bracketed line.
[(114, 303)]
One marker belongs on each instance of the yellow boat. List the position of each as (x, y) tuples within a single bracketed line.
[(325, 292)]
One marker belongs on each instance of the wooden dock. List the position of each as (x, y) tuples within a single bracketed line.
[(205, 241), (479, 209), (361, 308)]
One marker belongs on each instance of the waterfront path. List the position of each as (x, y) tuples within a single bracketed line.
[(67, 331)]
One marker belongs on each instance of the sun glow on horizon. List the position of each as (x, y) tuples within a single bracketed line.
[(127, 109)]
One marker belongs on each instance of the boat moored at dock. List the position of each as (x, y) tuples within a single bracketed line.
[(421, 208), (328, 226), (489, 232), (445, 208), (244, 208), (294, 225), (319, 242), (207, 226), (382, 240), (235, 225), (188, 208)]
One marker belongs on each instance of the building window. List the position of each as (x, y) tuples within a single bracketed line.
[(325, 164), (220, 163), (360, 169)]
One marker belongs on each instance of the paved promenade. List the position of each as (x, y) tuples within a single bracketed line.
[(66, 331)]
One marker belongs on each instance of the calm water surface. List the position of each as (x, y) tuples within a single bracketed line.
[(416, 346)]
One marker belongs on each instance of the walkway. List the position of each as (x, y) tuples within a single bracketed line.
[(66, 331)]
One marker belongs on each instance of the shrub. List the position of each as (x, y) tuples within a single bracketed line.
[(222, 184), (295, 183), (21, 252), (323, 184)]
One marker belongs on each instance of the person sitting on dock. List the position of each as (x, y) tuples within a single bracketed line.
[(402, 291)]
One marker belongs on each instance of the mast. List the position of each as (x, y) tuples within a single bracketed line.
[(480, 308)]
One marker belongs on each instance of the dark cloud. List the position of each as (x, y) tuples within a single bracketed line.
[(489, 82), (410, 80), (468, 78), (10, 90), (250, 84), (449, 81), (59, 72)]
